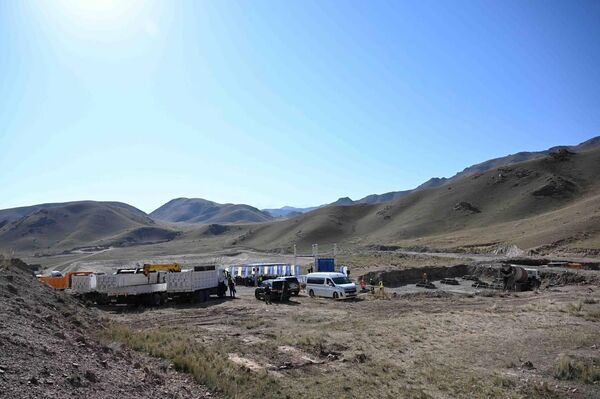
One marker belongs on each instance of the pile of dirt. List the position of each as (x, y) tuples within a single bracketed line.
[(49, 349), (508, 250)]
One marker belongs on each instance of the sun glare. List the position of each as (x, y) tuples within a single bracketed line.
[(99, 9), (110, 21)]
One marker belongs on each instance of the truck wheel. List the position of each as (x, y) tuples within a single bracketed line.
[(311, 293), (335, 295), (102, 300), (156, 300), (200, 296), (257, 295)]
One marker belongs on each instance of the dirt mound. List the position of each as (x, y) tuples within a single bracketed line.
[(48, 349)]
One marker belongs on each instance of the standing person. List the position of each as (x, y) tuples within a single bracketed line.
[(347, 272), (507, 272), (363, 286), (381, 289), (231, 287), (255, 277), (285, 291), (267, 294)]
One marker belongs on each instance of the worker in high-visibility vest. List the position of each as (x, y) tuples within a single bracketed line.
[(381, 290)]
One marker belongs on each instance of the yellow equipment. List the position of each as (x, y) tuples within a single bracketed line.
[(172, 267)]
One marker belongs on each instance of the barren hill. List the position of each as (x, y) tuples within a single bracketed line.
[(197, 210), (554, 199), (474, 169), (77, 224)]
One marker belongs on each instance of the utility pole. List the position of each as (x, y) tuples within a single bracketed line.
[(295, 256)]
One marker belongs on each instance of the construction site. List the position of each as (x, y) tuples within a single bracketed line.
[(275, 199), (463, 327)]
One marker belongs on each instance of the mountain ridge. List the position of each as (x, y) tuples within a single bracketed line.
[(198, 210)]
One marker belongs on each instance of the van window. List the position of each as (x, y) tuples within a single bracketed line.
[(341, 280), (315, 280), (330, 283)]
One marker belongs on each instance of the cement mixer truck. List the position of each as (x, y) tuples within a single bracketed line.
[(519, 278)]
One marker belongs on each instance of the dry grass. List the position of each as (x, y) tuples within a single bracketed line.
[(592, 315), (583, 309), (209, 365), (575, 308), (571, 368)]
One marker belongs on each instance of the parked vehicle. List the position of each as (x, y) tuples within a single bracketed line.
[(197, 284), (293, 284), (132, 286), (152, 285), (330, 285), (279, 290)]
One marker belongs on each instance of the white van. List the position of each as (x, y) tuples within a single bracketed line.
[(330, 285)]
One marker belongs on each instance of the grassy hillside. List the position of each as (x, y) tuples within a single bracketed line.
[(482, 167), (77, 224), (197, 210), (500, 205)]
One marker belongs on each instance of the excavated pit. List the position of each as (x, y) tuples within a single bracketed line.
[(549, 276)]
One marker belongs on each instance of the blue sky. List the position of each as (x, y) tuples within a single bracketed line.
[(276, 103)]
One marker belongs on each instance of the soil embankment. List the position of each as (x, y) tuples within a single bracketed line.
[(49, 348), (549, 276)]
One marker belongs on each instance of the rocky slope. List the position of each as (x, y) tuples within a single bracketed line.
[(49, 349)]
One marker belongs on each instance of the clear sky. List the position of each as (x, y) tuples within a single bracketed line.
[(274, 103)]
